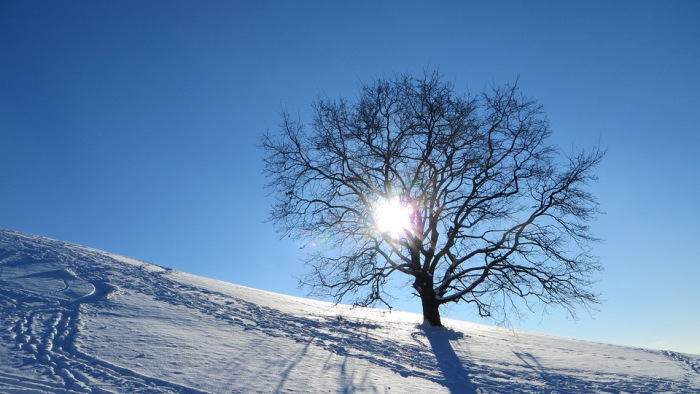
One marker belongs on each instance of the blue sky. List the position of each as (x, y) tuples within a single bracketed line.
[(132, 127)]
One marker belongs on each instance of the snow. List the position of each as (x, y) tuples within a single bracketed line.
[(75, 319)]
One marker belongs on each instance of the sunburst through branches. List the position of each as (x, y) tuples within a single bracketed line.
[(393, 217)]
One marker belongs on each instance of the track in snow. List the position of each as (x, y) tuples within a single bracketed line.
[(43, 325)]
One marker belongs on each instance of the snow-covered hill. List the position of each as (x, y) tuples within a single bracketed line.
[(75, 319)]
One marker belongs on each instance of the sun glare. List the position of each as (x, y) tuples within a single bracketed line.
[(393, 217)]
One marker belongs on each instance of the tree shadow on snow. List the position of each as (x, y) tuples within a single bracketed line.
[(456, 376)]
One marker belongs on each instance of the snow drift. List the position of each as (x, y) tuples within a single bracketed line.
[(76, 319)]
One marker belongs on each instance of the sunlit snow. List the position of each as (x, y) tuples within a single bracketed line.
[(76, 319)]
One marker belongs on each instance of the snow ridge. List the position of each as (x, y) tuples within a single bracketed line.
[(75, 319)]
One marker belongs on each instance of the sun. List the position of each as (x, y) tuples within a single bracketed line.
[(393, 217)]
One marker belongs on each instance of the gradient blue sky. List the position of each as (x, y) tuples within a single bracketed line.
[(132, 126)]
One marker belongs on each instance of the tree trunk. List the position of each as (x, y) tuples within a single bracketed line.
[(431, 313)]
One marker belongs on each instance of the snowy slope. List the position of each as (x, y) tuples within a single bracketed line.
[(76, 319)]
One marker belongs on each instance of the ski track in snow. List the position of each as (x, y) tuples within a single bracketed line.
[(43, 327), (692, 365)]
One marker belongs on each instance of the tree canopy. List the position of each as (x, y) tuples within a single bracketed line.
[(461, 194)]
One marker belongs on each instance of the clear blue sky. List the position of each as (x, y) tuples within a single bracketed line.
[(132, 126)]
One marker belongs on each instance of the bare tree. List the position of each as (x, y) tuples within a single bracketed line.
[(462, 194)]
